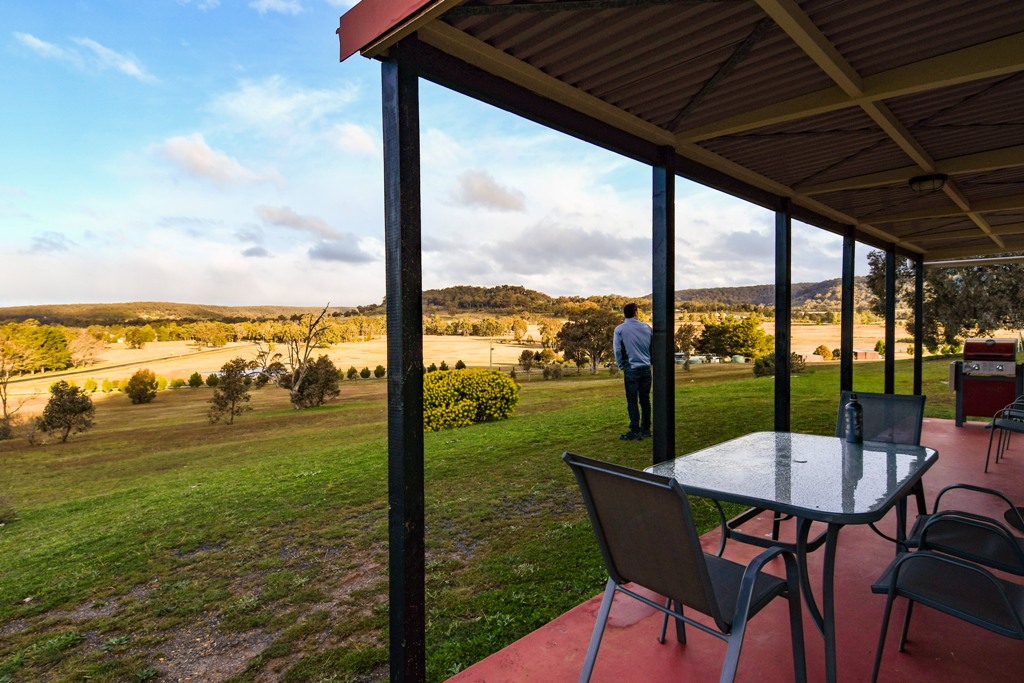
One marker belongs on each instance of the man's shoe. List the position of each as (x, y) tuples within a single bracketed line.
[(646, 432), (631, 436)]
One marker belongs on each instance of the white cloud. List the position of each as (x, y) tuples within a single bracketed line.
[(478, 188), (284, 217), (191, 154), (202, 5), (281, 6), (344, 250), (255, 252), (97, 57), (349, 137), (106, 58), (274, 106), (49, 50)]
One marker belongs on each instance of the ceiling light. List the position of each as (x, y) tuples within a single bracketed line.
[(927, 183)]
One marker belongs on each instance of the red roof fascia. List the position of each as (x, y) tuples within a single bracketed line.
[(371, 19)]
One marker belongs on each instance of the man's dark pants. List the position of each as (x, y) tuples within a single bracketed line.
[(638, 391)]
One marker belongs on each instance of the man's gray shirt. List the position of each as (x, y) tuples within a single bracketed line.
[(632, 341)]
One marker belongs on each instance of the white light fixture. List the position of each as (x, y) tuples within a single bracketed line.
[(927, 183)]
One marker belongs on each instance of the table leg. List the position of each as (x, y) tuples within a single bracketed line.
[(825, 618), (828, 600)]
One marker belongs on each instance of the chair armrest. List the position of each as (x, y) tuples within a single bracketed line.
[(976, 489)]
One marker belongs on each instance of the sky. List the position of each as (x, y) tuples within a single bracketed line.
[(217, 152)]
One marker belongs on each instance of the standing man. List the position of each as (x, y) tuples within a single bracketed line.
[(632, 343)]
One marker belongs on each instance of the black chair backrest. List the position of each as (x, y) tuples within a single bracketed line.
[(645, 530), (892, 418)]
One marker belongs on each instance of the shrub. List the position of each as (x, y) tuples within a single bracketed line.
[(352, 372), (837, 354), (89, 385), (195, 380), (443, 366), (910, 350), (379, 371), (613, 370), (553, 371), (365, 373), (231, 396), (319, 382), (178, 383), (161, 383), (68, 411), (824, 352), (461, 398), (459, 365), (880, 347), (213, 379), (106, 386), (141, 388), (765, 365), (432, 368)]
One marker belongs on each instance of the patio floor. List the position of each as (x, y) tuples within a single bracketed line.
[(939, 648)]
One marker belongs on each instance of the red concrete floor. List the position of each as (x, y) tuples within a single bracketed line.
[(940, 648)]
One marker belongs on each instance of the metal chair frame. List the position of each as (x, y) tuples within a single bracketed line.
[(692, 576), (1007, 421)]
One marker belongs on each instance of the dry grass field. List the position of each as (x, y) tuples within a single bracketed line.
[(180, 359)]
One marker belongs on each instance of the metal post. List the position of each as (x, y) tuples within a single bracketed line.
[(890, 319), (918, 323), (783, 312), (663, 237), (405, 369), (847, 312)]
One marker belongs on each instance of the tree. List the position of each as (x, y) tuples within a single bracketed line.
[(685, 336), (824, 352), (518, 329), (268, 363), (68, 411), (352, 373), (588, 331), (14, 358), (459, 365), (972, 301), (300, 343), (734, 336), (136, 337), (320, 382), (141, 388), (526, 360), (379, 371), (231, 393), (364, 373), (195, 380), (84, 348)]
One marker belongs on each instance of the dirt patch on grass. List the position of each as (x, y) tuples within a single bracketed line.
[(203, 652)]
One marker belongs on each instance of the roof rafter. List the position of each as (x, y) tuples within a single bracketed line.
[(1007, 157), (986, 206), (994, 58)]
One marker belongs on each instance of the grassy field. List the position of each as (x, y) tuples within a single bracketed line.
[(160, 547)]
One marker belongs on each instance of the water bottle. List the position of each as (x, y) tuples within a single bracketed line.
[(853, 420)]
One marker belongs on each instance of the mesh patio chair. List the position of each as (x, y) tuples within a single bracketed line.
[(645, 530), (991, 544), (957, 587), (1009, 420)]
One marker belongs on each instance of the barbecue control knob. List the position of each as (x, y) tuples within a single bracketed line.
[(975, 367), (999, 367)]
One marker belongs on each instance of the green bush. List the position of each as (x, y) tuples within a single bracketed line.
[(142, 387), (89, 385), (178, 383), (880, 347), (195, 380), (457, 398), (352, 372), (443, 366), (161, 383), (432, 367), (365, 373), (212, 379), (824, 352), (765, 365), (459, 365), (379, 371), (107, 386)]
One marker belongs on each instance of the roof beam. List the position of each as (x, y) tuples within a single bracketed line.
[(975, 262), (1013, 203), (994, 58), (1007, 157), (557, 6), (1008, 229), (964, 252)]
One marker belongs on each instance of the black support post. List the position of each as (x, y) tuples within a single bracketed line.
[(890, 319), (847, 312), (663, 280), (918, 323), (405, 370), (783, 312)]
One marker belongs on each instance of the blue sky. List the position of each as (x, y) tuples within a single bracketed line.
[(215, 151)]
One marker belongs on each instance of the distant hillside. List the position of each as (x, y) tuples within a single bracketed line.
[(503, 299), (824, 295), (81, 315)]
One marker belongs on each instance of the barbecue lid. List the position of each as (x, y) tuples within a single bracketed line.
[(990, 349)]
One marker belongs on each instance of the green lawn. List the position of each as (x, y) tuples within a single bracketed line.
[(142, 542)]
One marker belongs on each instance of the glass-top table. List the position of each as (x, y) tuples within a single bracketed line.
[(814, 479)]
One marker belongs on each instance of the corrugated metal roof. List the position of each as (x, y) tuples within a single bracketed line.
[(833, 103)]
